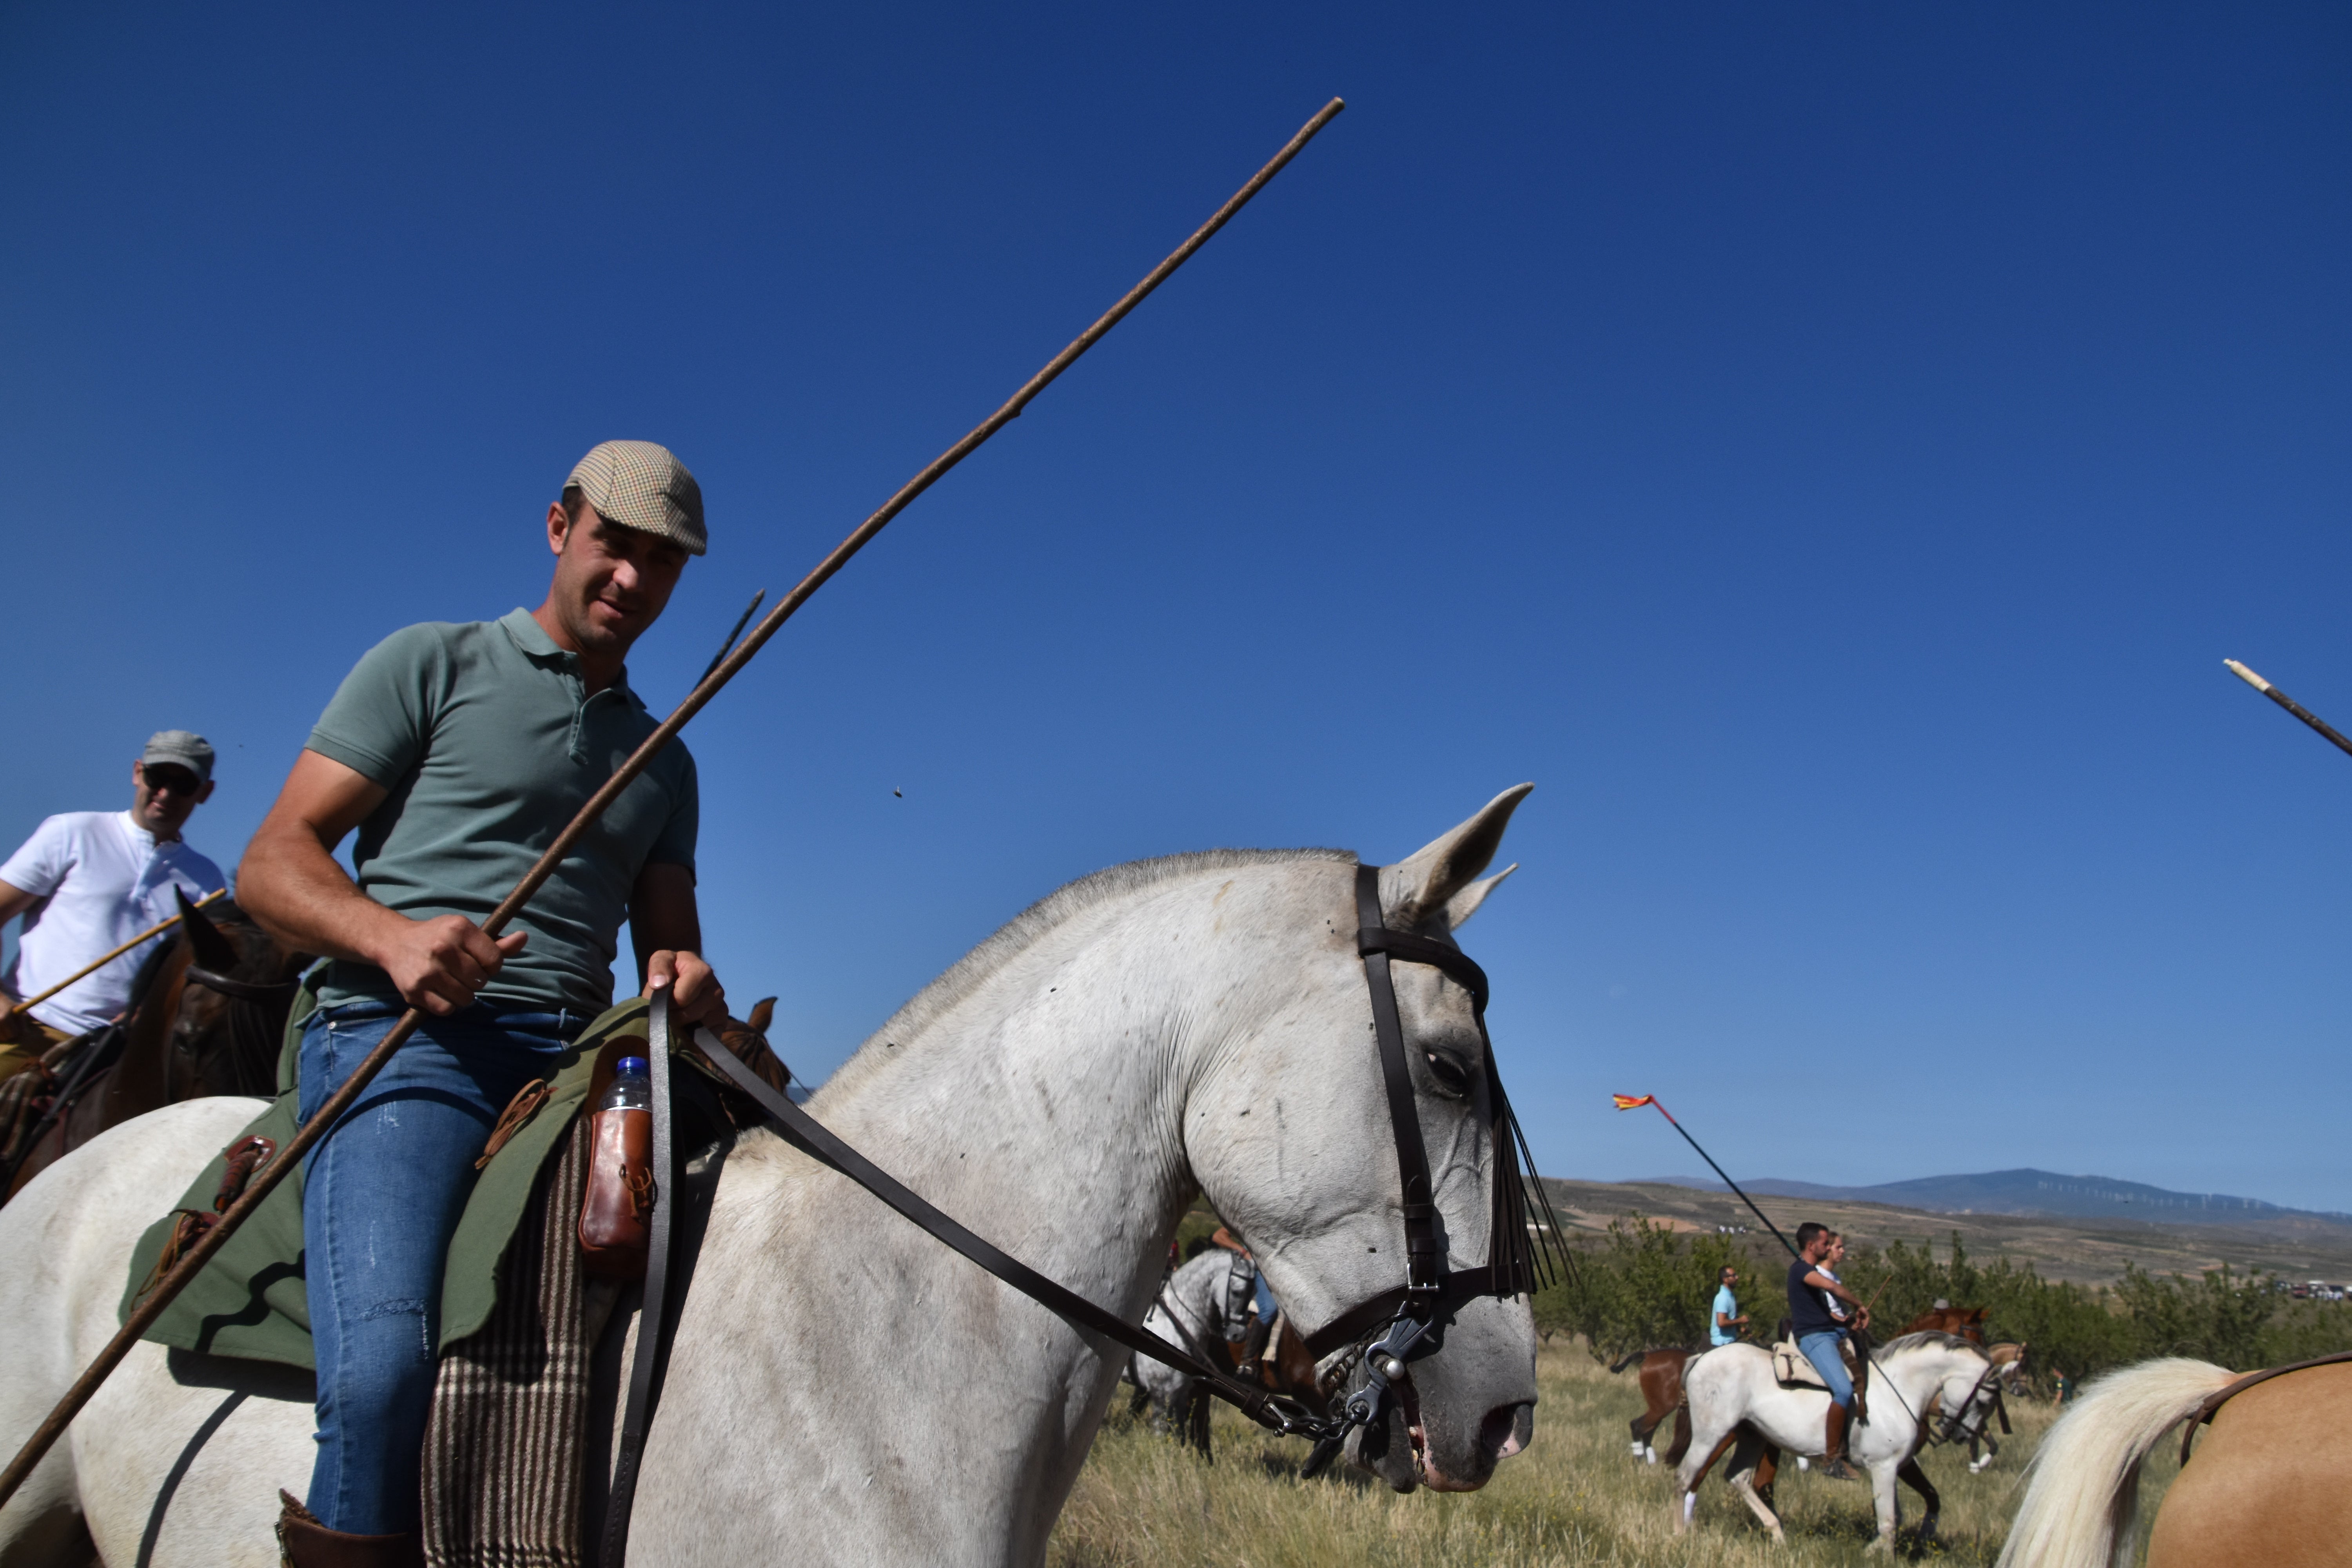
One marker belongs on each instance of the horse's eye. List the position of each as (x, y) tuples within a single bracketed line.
[(1449, 1073)]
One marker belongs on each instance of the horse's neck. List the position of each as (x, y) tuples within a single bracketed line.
[(1043, 1104), (1921, 1374)]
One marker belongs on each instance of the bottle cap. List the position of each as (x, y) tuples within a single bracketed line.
[(631, 1064)]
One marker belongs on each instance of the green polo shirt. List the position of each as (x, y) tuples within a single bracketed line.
[(489, 743)]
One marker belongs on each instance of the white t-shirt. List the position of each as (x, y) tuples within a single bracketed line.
[(101, 880)]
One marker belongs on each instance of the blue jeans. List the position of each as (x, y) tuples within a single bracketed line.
[(1822, 1350), (381, 1197), (1265, 1298)]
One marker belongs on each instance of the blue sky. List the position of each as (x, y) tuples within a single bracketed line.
[(1829, 450)]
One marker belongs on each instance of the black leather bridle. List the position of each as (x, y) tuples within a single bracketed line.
[(1409, 1319)]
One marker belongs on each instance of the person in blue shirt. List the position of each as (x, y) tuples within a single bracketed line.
[(1819, 1335), (1728, 1319)]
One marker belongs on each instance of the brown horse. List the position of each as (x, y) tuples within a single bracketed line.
[(1968, 1322), (1661, 1395), (2270, 1483), (207, 1017)]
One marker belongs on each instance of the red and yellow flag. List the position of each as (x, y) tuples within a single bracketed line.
[(1634, 1102)]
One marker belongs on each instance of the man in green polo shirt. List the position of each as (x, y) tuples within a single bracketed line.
[(458, 752)]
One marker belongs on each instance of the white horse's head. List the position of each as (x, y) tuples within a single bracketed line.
[(1288, 1132), (1956, 1379)]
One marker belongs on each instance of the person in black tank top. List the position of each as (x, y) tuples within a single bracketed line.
[(1819, 1335)]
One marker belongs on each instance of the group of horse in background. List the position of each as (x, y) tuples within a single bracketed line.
[(2263, 1487), (1661, 1382), (1938, 1368)]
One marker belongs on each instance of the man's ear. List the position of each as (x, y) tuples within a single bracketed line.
[(558, 527), (205, 793)]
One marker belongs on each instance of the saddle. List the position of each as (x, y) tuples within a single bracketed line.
[(1792, 1369), (510, 1463)]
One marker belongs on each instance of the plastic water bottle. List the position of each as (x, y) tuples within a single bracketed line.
[(632, 1088), (619, 1200)]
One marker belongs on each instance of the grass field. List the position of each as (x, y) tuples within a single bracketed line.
[(1576, 1496)]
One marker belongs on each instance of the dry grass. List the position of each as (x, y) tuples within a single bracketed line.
[(1577, 1496)]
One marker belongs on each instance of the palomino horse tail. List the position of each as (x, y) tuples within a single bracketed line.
[(2083, 1502)]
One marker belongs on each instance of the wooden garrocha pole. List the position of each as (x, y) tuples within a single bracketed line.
[(95, 965), (267, 1177), (2289, 703)]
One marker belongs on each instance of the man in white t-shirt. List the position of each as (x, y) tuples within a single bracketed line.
[(87, 881)]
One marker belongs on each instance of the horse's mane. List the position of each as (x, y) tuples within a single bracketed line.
[(1016, 935), (1932, 1338)]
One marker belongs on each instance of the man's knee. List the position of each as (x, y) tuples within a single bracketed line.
[(386, 1364)]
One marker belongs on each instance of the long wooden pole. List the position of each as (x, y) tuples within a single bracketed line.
[(2289, 703), (267, 1177), (95, 965)]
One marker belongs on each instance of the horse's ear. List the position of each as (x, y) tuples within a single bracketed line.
[(764, 1012), (1422, 884), (1464, 904), (212, 949)]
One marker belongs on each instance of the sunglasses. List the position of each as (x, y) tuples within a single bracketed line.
[(175, 781)]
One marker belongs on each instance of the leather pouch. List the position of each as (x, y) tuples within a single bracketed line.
[(620, 1197)]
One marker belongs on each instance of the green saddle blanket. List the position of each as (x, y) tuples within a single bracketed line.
[(251, 1300)]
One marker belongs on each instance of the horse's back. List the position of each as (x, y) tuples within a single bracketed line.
[(2270, 1482), (75, 1208), (66, 1240)]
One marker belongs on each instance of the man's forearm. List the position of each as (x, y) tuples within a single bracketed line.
[(302, 896)]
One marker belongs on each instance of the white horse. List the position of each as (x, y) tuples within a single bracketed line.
[(1206, 1302), (1736, 1401), (845, 1389)]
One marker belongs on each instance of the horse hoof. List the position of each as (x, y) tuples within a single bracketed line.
[(1649, 1455)]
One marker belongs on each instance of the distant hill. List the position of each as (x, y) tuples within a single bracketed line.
[(2030, 1191)]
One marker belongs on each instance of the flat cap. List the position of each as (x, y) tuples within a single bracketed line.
[(642, 485), (181, 748)]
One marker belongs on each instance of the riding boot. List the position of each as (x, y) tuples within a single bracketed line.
[(1253, 1346), (1859, 1361), (1834, 1465), (304, 1543)]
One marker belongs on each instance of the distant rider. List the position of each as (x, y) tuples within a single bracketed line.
[(1820, 1336), (1728, 1319), (88, 881)]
